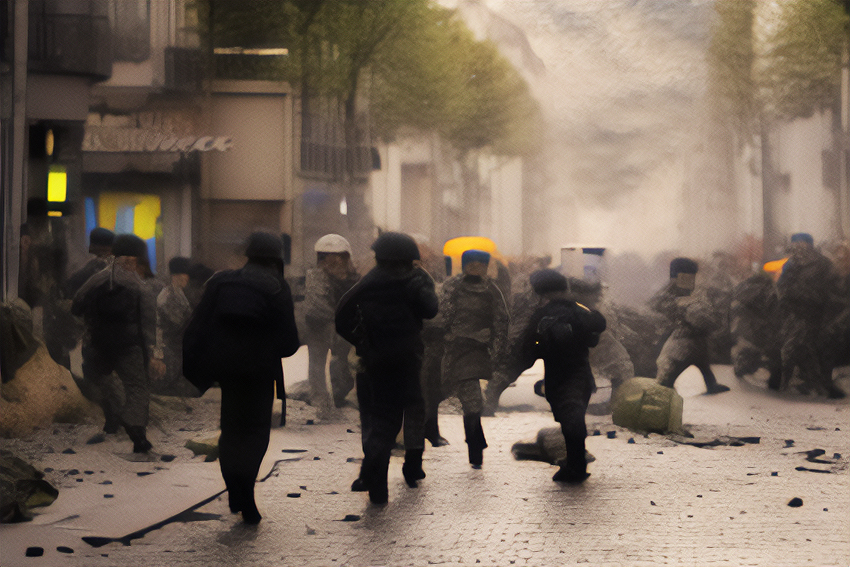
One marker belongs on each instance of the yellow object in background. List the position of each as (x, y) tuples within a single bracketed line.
[(134, 213), (455, 248), (774, 268), (57, 184)]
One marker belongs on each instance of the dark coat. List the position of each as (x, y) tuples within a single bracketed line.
[(244, 324), (567, 370), (382, 317)]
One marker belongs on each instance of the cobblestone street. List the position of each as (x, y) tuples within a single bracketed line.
[(649, 501)]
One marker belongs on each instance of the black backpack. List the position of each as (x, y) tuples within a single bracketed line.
[(554, 333)]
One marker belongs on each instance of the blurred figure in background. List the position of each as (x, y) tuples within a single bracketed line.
[(523, 303), (325, 285), (609, 359), (694, 319), (754, 325), (198, 276), (808, 292), (172, 315)]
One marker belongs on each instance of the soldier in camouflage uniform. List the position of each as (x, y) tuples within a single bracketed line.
[(476, 322), (807, 287), (609, 359), (694, 321), (325, 285), (754, 326), (172, 314), (120, 317)]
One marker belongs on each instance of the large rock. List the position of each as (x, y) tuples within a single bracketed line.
[(42, 392)]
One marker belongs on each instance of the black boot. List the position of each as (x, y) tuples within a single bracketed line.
[(378, 491), (412, 467), (475, 441), (139, 438), (112, 423), (432, 433)]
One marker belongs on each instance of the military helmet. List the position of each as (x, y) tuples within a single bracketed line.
[(395, 246), (547, 280), (179, 265), (332, 244), (129, 245), (100, 236), (264, 245), (682, 266)]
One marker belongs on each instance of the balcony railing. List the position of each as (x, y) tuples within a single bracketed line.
[(77, 44)]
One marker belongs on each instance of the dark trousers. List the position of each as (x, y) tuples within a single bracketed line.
[(569, 409), (246, 416), (380, 423)]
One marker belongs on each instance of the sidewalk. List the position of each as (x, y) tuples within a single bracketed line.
[(649, 501)]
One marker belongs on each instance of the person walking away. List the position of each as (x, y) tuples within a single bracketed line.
[(693, 320), (325, 285), (561, 332), (476, 322), (120, 318), (382, 317), (172, 315), (242, 328), (807, 287)]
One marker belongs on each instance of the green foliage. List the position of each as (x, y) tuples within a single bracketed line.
[(777, 60), (799, 70), (730, 58), (411, 63)]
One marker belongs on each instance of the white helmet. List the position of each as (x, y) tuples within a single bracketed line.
[(332, 243)]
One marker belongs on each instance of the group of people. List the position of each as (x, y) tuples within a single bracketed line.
[(418, 341), (132, 329), (795, 324), (404, 342)]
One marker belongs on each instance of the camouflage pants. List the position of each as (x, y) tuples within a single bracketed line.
[(463, 368), (128, 397), (341, 378)]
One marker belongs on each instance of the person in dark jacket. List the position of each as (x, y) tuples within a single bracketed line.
[(120, 317), (561, 332), (694, 319), (382, 317), (243, 326)]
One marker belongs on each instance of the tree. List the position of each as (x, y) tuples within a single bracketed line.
[(778, 60), (401, 62)]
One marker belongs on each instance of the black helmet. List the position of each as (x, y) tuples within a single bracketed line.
[(264, 245), (395, 247), (547, 280), (101, 237), (129, 245), (179, 265), (682, 266)]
